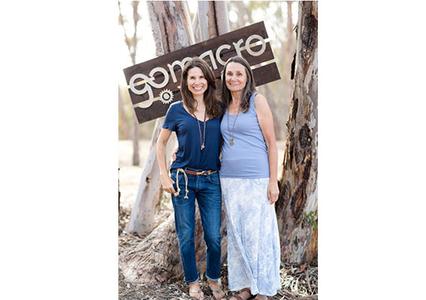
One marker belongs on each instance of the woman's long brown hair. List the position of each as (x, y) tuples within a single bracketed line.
[(249, 88), (213, 106)]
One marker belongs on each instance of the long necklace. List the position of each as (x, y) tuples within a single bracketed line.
[(202, 136), (231, 132)]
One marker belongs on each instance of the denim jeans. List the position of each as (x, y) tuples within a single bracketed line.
[(206, 189)]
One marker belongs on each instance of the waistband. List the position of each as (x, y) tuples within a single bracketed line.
[(200, 173), (195, 172), (189, 172)]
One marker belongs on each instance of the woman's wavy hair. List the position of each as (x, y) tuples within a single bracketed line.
[(213, 106), (248, 90)]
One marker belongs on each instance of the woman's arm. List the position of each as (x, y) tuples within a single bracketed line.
[(165, 179), (266, 122)]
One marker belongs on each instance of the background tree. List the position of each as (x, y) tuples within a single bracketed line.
[(297, 206), (131, 42)]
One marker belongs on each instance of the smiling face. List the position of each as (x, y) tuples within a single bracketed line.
[(197, 83), (235, 77)]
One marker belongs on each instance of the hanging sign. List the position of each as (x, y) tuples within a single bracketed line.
[(153, 85)]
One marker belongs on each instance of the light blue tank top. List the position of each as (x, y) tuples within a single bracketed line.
[(248, 156)]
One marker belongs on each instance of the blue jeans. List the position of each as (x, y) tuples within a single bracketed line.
[(206, 189)]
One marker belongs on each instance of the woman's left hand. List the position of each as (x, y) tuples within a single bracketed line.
[(273, 191)]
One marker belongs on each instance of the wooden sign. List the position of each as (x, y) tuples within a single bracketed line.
[(153, 85)]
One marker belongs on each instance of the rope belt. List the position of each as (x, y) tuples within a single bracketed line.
[(190, 172), (180, 170)]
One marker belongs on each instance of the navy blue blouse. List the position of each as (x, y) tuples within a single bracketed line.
[(189, 154)]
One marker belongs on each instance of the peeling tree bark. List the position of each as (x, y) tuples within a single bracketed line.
[(213, 19), (297, 205), (172, 31)]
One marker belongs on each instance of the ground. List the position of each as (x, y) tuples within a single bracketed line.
[(297, 282)]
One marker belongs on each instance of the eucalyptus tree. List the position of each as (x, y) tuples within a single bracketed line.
[(297, 206)]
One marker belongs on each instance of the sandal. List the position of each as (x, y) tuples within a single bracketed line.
[(218, 293), (242, 292), (195, 292)]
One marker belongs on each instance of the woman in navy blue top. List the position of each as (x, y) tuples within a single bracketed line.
[(194, 173)]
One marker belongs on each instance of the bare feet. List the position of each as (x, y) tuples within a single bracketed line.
[(261, 297), (195, 291)]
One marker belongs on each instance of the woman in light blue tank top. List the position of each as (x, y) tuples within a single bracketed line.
[(249, 185)]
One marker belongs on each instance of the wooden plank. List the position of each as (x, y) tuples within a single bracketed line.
[(197, 49), (252, 60), (156, 110), (236, 39), (267, 73)]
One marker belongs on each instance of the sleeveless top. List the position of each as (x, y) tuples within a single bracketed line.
[(248, 156), (189, 154)]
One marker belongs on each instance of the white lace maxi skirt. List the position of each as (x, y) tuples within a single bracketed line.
[(253, 238)]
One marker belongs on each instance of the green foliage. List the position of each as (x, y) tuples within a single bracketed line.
[(312, 219)]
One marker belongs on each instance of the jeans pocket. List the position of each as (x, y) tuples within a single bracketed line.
[(213, 178)]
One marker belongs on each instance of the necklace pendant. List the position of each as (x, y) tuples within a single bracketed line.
[(231, 141), (202, 146)]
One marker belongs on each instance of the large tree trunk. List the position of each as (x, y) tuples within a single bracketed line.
[(297, 204), (172, 31), (212, 18), (266, 91), (147, 200), (156, 258)]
